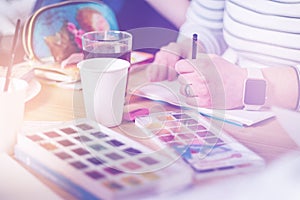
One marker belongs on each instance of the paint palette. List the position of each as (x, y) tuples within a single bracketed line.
[(94, 162), (203, 145)]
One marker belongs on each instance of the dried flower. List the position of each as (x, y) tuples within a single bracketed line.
[(77, 33)]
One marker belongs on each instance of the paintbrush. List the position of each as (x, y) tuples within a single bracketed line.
[(12, 56)]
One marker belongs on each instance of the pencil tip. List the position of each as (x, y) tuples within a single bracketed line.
[(195, 36)]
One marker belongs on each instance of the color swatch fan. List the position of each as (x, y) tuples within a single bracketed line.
[(94, 162)]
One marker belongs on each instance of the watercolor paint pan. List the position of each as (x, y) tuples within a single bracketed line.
[(202, 144), (93, 162)]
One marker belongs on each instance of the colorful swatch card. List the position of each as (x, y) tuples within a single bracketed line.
[(94, 162), (203, 145)]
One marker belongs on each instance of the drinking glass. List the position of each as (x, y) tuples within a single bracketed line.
[(107, 44)]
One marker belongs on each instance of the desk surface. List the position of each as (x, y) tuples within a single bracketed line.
[(267, 139)]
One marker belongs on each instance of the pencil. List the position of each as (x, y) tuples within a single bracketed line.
[(194, 46), (12, 55)]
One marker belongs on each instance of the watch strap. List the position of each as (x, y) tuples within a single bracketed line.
[(297, 70), (255, 73)]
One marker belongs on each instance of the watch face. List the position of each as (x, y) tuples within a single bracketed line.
[(255, 92)]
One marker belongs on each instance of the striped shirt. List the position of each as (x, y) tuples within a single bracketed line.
[(263, 31)]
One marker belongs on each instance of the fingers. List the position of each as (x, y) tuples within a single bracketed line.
[(161, 70), (195, 89), (156, 72), (202, 64), (191, 78), (162, 67), (184, 66), (172, 74), (199, 90), (172, 48)]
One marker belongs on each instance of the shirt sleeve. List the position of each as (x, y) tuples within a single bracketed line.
[(205, 17), (297, 70)]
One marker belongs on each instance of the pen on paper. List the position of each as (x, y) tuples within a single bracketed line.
[(194, 46), (8, 73)]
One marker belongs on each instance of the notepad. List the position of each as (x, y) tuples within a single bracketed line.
[(168, 91)]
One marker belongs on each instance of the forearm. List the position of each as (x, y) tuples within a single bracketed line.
[(175, 13), (282, 86)]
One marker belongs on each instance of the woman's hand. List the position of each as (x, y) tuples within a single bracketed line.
[(211, 82), (162, 68)]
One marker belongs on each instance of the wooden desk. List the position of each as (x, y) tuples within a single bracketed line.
[(267, 139)]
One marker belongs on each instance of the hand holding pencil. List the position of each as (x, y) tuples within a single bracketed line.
[(162, 68), (209, 81), (163, 65)]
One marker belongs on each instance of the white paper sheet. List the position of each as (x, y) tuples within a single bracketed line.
[(281, 180), (290, 121), (17, 183)]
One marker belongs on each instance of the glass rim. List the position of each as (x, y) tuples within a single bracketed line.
[(129, 35)]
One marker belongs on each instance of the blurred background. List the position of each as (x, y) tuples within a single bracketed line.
[(135, 16)]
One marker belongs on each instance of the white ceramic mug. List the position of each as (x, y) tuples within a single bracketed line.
[(12, 104)]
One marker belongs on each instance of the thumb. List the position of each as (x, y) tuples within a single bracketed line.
[(184, 66)]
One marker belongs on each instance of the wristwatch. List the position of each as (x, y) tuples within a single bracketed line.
[(255, 88)]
